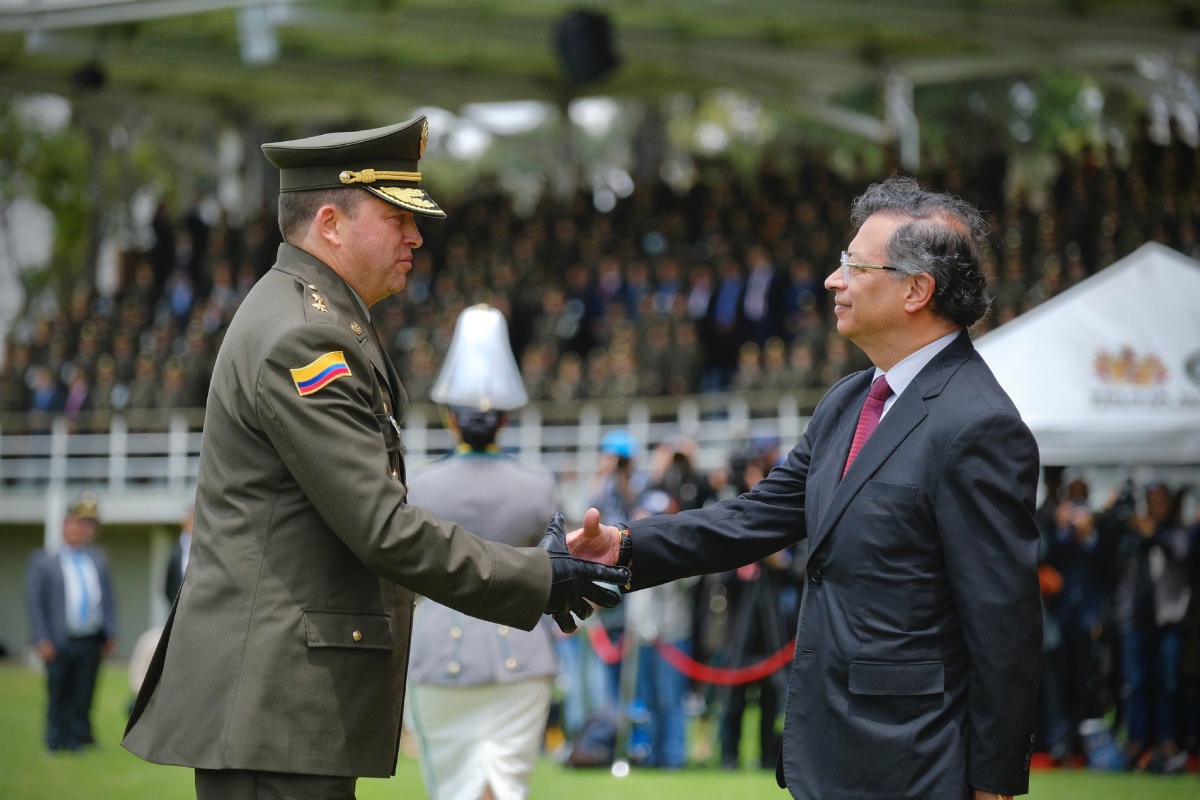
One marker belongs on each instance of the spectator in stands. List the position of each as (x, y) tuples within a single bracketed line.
[(1169, 559), (663, 618), (757, 628), (72, 619), (1152, 599), (1085, 558)]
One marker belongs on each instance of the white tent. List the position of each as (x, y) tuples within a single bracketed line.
[(1108, 372)]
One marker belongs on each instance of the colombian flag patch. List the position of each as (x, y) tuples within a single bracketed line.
[(320, 373)]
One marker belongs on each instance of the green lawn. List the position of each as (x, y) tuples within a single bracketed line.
[(28, 772)]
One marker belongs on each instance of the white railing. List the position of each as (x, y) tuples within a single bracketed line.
[(150, 476)]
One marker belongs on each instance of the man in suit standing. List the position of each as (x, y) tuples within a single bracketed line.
[(180, 554), (280, 671), (919, 645), (72, 624)]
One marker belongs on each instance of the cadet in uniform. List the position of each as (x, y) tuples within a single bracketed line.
[(281, 669), (479, 693)]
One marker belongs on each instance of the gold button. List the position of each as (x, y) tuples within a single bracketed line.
[(455, 633), (356, 636), (502, 630), (511, 663), (454, 668), (395, 475)]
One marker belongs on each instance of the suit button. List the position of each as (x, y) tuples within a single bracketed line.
[(454, 668), (356, 636), (456, 633), (511, 663), (395, 475), (815, 576), (502, 630)]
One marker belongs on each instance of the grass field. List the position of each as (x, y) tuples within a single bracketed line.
[(28, 772)]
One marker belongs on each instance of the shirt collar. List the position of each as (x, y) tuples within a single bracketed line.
[(366, 311), (903, 373)]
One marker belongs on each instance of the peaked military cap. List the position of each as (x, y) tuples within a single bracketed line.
[(86, 507), (381, 160)]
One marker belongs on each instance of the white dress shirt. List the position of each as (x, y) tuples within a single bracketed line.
[(185, 551), (81, 580), (902, 374)]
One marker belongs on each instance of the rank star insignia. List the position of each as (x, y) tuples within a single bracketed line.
[(319, 303), (354, 326)]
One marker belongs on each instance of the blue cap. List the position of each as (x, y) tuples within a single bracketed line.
[(619, 442)]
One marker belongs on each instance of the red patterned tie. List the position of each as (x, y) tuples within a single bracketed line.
[(868, 418)]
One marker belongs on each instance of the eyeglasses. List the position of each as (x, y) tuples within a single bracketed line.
[(847, 265)]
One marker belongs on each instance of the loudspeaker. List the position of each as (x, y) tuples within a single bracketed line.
[(584, 41)]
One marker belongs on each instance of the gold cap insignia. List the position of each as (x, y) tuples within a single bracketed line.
[(354, 326), (410, 197), (424, 137)]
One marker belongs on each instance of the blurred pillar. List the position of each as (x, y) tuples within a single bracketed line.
[(902, 118)]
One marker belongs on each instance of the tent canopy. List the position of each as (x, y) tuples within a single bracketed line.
[(1108, 372)]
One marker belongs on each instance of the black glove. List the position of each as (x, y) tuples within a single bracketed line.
[(572, 582)]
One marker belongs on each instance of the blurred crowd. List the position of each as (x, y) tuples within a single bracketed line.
[(718, 288), (1121, 608), (1120, 581)]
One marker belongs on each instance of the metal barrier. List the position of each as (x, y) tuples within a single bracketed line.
[(146, 472)]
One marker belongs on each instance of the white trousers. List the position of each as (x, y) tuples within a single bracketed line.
[(478, 736)]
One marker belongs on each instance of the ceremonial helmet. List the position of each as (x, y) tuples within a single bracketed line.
[(480, 371)]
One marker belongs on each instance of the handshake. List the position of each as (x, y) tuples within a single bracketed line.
[(579, 563)]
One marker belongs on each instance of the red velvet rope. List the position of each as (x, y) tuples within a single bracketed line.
[(611, 654), (608, 652)]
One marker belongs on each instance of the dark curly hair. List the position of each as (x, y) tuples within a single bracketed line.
[(941, 235)]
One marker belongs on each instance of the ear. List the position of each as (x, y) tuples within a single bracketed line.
[(327, 223), (919, 293)]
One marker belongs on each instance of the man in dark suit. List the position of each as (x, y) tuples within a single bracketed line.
[(71, 621), (180, 554), (919, 645)]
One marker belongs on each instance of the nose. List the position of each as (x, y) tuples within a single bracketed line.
[(834, 280), (412, 236)]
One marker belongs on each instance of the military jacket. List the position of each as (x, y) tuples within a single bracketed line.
[(287, 647), (502, 500)]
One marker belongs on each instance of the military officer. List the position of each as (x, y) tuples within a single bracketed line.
[(479, 693), (280, 672)]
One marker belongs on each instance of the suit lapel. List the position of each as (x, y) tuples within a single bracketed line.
[(829, 472), (897, 424), (905, 415)]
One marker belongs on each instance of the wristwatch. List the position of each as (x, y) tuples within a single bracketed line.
[(625, 550)]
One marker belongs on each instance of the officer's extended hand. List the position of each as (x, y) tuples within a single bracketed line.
[(573, 580)]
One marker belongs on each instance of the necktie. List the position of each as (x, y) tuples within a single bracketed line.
[(868, 418), (85, 602)]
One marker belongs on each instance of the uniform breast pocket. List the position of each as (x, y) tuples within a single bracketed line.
[(354, 630)]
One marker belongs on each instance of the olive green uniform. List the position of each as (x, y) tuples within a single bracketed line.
[(287, 647)]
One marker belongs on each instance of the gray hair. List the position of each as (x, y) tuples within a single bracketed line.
[(297, 209), (941, 235)]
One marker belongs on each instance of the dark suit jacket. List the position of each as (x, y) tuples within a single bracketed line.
[(46, 598), (919, 646)]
